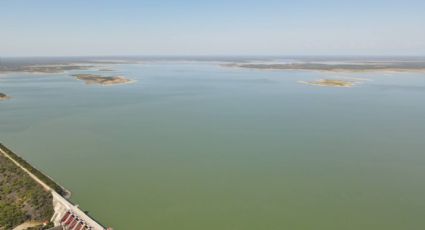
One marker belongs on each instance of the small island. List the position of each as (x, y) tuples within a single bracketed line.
[(330, 83), (3, 96), (102, 80)]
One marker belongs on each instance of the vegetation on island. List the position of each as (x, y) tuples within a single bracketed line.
[(102, 80), (21, 198)]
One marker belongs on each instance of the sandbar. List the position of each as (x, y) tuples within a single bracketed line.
[(330, 83)]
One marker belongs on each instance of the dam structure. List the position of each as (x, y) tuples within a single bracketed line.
[(67, 216)]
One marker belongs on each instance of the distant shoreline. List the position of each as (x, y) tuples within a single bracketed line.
[(391, 67)]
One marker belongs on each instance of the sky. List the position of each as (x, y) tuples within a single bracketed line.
[(213, 27)]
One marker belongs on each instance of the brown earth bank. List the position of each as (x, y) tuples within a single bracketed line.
[(3, 96)]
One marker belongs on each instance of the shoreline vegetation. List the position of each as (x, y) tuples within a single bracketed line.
[(22, 200), (91, 79), (47, 180), (29, 199), (328, 64)]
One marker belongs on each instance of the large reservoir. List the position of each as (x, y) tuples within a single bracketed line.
[(198, 145)]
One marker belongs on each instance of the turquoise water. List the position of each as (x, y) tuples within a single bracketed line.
[(199, 146)]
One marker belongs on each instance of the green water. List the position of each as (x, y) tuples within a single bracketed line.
[(198, 146)]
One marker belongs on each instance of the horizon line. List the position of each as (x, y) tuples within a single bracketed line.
[(211, 55)]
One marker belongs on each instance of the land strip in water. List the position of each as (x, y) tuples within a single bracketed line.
[(44, 68), (330, 83), (338, 67)]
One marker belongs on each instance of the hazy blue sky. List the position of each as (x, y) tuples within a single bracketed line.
[(218, 27)]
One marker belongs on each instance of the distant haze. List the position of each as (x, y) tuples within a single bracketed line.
[(189, 27)]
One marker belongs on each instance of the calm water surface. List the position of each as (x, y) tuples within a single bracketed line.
[(197, 146)]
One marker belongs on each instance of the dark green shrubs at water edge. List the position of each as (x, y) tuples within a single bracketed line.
[(34, 171), (21, 198)]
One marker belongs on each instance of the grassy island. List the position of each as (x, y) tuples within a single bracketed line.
[(101, 80)]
